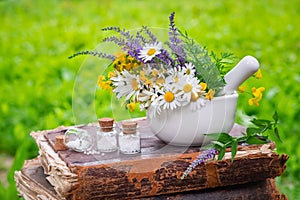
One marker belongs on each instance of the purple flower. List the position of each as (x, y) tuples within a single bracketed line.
[(201, 158), (175, 43)]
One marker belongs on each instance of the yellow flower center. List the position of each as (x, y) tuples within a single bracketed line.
[(151, 52), (155, 73), (169, 96), (160, 81), (134, 84), (194, 96), (188, 72), (143, 76), (176, 79), (187, 88)]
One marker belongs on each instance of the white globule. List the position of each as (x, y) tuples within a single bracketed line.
[(129, 143)]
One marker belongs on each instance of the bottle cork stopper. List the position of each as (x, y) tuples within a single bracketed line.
[(106, 124), (59, 144), (129, 127)]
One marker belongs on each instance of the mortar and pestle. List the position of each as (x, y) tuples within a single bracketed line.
[(184, 127)]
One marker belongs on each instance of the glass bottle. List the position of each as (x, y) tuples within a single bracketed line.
[(106, 135), (129, 138), (79, 140)]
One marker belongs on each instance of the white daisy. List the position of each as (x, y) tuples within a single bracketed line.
[(173, 77), (189, 69), (126, 84), (168, 99), (188, 85), (149, 51)]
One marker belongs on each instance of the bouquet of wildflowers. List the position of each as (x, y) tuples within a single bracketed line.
[(159, 75)]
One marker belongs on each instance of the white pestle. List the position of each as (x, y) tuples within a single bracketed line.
[(241, 72)]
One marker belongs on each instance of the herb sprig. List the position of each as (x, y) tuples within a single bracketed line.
[(256, 134)]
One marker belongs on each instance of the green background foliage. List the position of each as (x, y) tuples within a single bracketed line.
[(37, 79)]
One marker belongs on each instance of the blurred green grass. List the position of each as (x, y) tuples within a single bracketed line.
[(37, 79)]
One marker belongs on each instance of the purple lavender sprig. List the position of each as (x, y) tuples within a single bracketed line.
[(201, 158), (94, 53), (165, 58), (126, 41), (152, 37), (175, 43), (123, 32), (114, 39)]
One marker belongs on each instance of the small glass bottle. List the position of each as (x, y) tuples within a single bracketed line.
[(129, 138), (106, 136), (79, 140)]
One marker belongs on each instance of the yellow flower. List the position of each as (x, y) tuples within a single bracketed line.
[(135, 84), (146, 80), (160, 81), (203, 86), (102, 83), (253, 101), (154, 73), (128, 66), (257, 96), (210, 94), (125, 61), (111, 74), (131, 106), (143, 76), (258, 74), (242, 89), (257, 92)]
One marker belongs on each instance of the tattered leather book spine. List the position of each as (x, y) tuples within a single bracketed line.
[(126, 179), (32, 184)]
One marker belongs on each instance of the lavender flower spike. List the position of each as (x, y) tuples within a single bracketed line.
[(175, 43), (207, 154)]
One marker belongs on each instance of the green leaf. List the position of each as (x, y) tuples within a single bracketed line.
[(261, 122), (218, 145), (255, 140), (252, 131), (221, 137), (221, 153), (233, 149), (275, 117), (277, 134)]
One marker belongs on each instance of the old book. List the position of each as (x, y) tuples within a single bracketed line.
[(155, 171), (32, 185)]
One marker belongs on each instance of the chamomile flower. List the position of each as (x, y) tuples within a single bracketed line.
[(189, 69), (126, 84), (149, 51), (188, 85), (168, 99), (174, 75)]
